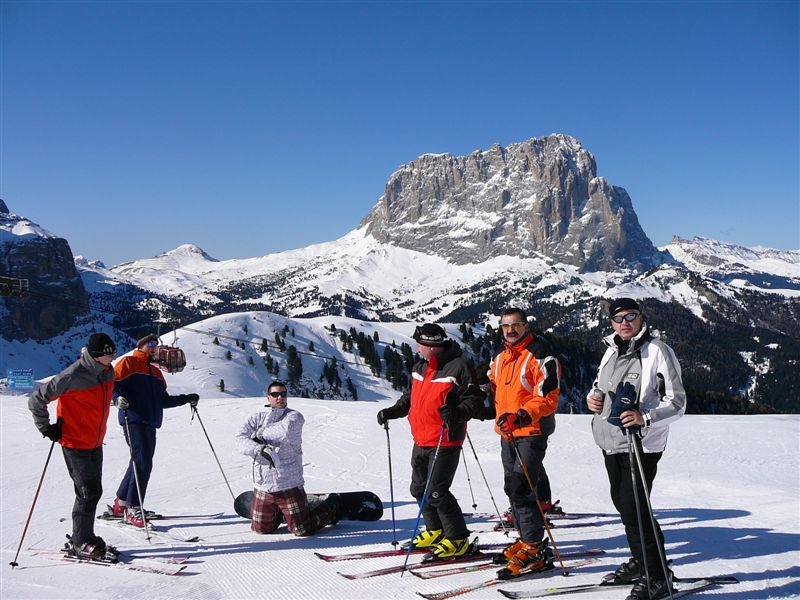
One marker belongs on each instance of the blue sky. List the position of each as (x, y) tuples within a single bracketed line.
[(130, 128)]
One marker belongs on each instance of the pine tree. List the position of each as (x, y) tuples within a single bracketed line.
[(294, 366)]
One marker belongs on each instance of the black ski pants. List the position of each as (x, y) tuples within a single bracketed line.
[(618, 467), (142, 443), (85, 467), (523, 500), (441, 509)]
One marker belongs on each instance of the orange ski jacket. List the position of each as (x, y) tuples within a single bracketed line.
[(526, 376)]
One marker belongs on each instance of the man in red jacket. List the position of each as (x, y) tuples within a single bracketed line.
[(444, 394), (525, 381), (83, 391)]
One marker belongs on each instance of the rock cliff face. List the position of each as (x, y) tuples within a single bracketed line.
[(542, 197), (57, 294)]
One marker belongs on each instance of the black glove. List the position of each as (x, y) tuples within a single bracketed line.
[(624, 398), (487, 411), (451, 413), (383, 416), (192, 400), (510, 422), (53, 431), (265, 452), (122, 403)]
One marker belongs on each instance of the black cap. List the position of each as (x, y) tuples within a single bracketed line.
[(150, 337), (430, 334), (618, 304), (100, 345)]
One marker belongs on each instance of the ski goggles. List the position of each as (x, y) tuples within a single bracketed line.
[(626, 317)]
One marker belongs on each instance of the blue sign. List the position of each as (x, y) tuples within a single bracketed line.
[(20, 378)]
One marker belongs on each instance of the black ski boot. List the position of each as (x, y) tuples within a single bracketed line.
[(627, 572)]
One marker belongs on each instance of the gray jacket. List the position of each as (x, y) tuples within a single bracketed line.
[(651, 366), (281, 430)]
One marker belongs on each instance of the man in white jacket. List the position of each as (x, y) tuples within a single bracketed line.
[(273, 439), (638, 389)]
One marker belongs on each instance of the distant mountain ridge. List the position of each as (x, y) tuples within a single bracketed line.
[(731, 313)]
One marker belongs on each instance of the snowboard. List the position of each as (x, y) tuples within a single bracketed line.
[(353, 506)]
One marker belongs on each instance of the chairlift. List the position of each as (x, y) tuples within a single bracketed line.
[(17, 288), (170, 359)]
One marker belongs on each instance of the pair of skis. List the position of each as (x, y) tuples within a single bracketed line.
[(683, 587), (148, 564), (485, 558), (157, 530)]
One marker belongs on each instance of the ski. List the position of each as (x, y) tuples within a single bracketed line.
[(152, 529), (481, 585), (550, 516), (691, 588), (415, 567), (681, 582), (552, 525), (385, 553), (146, 565), (578, 554), (109, 515), (483, 566)]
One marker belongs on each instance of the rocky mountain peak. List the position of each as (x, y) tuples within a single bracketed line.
[(541, 197), (58, 296)]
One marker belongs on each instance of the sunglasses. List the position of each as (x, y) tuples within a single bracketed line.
[(515, 325), (152, 344), (626, 317), (278, 394)]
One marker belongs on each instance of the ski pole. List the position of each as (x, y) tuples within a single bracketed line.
[(469, 480), (424, 497), (14, 563), (197, 414), (489, 489), (633, 451), (136, 476), (532, 485), (391, 483)]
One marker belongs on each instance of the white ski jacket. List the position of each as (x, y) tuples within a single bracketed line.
[(651, 366), (281, 431)]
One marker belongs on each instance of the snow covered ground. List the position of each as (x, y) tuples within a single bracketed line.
[(726, 495)]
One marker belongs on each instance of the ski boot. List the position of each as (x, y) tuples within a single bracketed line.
[(508, 553), (627, 572), (657, 589), (533, 557), (448, 549), (427, 538)]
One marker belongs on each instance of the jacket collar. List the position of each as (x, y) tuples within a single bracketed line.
[(523, 342)]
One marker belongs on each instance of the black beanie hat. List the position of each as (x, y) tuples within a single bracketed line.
[(148, 338), (618, 304), (430, 334), (100, 345)]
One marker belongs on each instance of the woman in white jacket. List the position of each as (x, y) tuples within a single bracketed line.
[(273, 439), (639, 366)]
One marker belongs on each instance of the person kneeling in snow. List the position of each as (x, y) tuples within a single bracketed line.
[(273, 439)]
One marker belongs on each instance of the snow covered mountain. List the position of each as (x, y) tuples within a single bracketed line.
[(730, 312)]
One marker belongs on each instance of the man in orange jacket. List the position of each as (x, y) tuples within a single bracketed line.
[(525, 382), (83, 391)]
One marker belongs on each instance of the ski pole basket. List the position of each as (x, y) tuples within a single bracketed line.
[(171, 359)]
